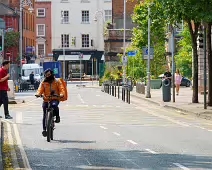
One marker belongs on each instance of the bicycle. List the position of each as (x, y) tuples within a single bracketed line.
[(50, 117)]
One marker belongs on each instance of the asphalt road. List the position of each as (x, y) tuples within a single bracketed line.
[(98, 131)]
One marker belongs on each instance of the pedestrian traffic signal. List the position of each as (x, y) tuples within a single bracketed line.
[(200, 39)]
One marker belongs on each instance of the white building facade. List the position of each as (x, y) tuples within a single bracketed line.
[(78, 28)]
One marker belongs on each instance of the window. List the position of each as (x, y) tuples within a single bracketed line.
[(73, 41), (85, 40), (85, 16), (65, 40), (40, 29), (41, 49), (108, 15), (65, 17), (41, 12)]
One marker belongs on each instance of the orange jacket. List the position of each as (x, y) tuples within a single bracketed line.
[(46, 88)]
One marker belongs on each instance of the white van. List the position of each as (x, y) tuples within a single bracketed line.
[(27, 69)]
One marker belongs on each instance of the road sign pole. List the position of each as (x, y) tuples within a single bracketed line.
[(148, 95)]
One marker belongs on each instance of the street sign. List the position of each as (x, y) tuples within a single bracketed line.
[(145, 53), (132, 53), (125, 60)]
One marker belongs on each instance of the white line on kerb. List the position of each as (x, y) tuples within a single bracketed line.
[(150, 151), (103, 127), (131, 141), (19, 118), (117, 134), (181, 166), (81, 98), (19, 143)]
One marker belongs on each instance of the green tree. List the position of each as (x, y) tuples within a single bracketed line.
[(11, 40), (140, 33), (191, 12), (184, 56)]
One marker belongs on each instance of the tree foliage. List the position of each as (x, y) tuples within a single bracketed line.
[(183, 58), (140, 34), (11, 39)]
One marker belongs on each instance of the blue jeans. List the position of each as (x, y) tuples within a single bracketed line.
[(54, 104)]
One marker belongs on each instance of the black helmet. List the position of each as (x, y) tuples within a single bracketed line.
[(48, 70)]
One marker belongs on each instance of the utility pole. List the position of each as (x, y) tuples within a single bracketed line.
[(124, 58), (64, 69), (205, 74), (173, 70), (148, 95)]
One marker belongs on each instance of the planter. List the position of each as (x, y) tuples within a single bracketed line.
[(156, 84)]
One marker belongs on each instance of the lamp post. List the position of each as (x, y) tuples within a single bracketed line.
[(124, 57), (148, 95), (102, 36), (23, 3)]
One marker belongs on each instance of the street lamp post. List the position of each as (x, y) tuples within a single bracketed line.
[(23, 3), (124, 58), (148, 95)]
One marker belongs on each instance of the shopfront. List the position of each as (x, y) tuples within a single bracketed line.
[(89, 63)]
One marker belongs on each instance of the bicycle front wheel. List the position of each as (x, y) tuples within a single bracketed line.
[(49, 126)]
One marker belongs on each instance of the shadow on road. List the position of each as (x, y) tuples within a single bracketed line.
[(73, 141), (85, 158)]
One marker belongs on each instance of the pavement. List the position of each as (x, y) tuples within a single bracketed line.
[(183, 102)]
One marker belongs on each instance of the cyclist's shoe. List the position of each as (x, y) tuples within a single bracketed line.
[(57, 119), (8, 117), (44, 133)]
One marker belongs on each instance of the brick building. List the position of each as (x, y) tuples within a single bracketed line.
[(28, 22), (43, 30), (114, 37), (11, 19)]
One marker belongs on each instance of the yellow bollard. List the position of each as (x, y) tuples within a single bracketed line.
[(16, 87)]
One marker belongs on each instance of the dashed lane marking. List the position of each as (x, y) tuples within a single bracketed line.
[(181, 166), (103, 127), (131, 141)]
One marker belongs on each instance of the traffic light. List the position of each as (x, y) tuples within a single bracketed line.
[(1, 43), (200, 39)]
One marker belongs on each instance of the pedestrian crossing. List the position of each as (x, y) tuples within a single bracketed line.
[(92, 114)]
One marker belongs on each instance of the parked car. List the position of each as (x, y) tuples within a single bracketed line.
[(185, 81)]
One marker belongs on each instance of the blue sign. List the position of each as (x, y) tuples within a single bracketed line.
[(145, 53), (132, 53)]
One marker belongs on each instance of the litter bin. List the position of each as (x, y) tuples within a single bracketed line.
[(130, 83), (166, 90)]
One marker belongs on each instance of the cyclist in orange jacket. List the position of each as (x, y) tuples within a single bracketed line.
[(48, 87)]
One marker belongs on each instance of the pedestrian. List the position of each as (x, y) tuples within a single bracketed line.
[(168, 74), (32, 78), (70, 76), (178, 79), (4, 76)]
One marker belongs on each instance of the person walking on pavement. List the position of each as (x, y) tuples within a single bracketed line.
[(168, 74), (32, 78), (178, 79), (4, 76)]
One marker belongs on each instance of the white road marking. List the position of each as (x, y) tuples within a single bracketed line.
[(88, 162), (94, 105), (19, 143), (103, 127), (81, 105), (97, 95), (131, 141), (150, 151), (81, 98), (118, 106), (181, 166), (210, 130), (117, 134), (19, 117), (199, 127), (163, 117)]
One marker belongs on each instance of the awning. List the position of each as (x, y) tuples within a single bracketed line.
[(73, 57)]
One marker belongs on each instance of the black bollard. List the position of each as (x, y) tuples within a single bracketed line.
[(115, 91), (118, 92)]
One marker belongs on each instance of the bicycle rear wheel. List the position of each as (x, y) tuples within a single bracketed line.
[(49, 126)]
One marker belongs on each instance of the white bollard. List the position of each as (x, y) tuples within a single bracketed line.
[(11, 94)]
